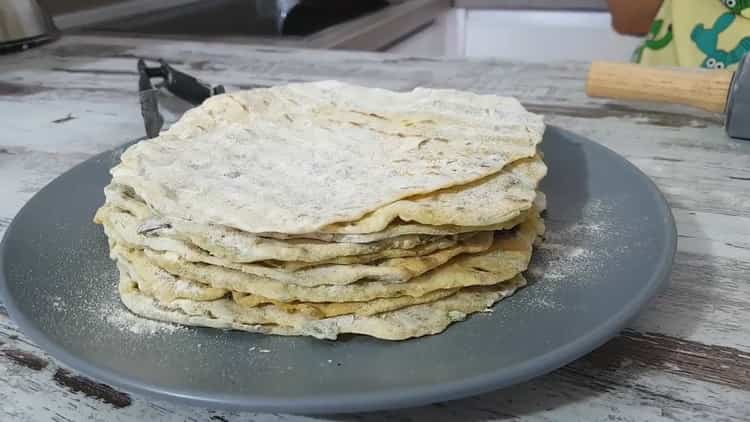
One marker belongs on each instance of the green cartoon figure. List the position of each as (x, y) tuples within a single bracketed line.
[(738, 7), (707, 41), (652, 42)]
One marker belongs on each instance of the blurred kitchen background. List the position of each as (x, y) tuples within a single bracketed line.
[(531, 30)]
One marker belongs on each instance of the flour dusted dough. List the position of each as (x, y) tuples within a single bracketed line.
[(510, 191), (404, 323), (309, 164), (326, 208), (387, 270), (508, 256), (235, 246)]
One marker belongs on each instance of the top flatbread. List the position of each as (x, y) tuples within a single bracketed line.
[(489, 201), (399, 228), (297, 158), (449, 211)]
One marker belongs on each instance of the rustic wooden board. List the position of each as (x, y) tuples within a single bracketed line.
[(686, 358)]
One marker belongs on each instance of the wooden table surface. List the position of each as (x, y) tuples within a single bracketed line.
[(687, 357)]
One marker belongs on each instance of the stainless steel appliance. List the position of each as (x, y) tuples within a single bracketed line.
[(245, 17), (348, 24), (23, 23)]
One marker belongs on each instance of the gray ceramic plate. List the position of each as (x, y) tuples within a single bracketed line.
[(608, 251)]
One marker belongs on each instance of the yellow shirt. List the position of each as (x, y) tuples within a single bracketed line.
[(713, 34)]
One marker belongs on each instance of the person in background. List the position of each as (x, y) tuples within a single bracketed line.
[(713, 34)]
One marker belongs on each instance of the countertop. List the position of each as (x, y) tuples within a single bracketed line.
[(687, 357), (371, 32)]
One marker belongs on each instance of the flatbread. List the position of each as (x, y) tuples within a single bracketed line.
[(326, 161), (161, 285), (235, 246), (330, 309), (388, 270), (400, 228), (511, 192), (401, 324), (508, 256)]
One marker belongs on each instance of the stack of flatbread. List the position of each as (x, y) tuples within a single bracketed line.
[(327, 208)]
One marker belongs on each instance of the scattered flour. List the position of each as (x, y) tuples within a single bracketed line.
[(543, 302), (571, 253), (58, 304), (124, 320), (183, 287), (562, 261), (539, 274)]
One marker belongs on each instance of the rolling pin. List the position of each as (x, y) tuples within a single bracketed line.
[(719, 90)]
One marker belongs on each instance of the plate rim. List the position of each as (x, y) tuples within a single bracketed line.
[(385, 399)]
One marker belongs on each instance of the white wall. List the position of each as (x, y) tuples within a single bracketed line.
[(521, 35), (444, 37), (545, 36)]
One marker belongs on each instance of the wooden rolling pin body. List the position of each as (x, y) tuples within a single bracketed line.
[(704, 89)]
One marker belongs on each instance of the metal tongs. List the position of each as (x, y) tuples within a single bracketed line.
[(178, 83)]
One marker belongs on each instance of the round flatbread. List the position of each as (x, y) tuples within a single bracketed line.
[(509, 255), (317, 163), (401, 324)]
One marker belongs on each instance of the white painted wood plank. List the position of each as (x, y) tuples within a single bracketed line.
[(581, 391)]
